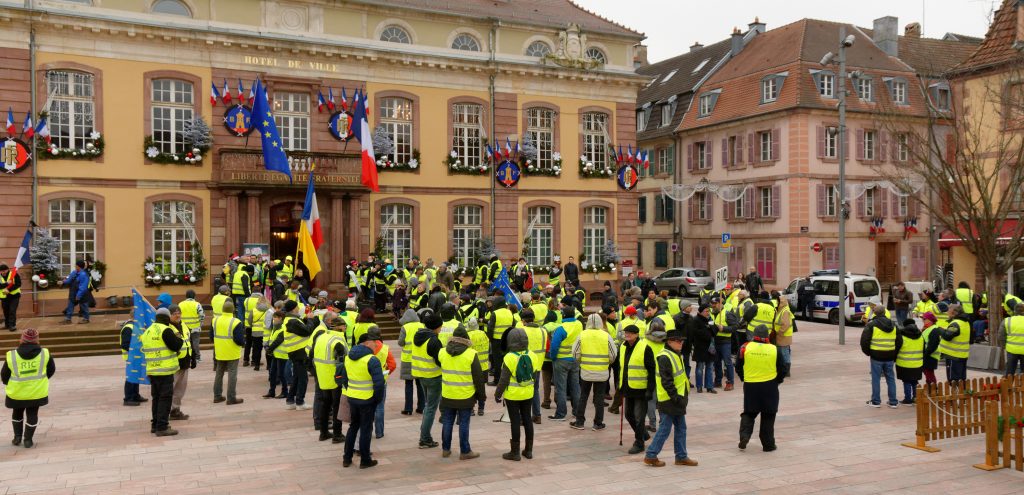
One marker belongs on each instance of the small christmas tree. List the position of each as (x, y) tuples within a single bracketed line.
[(527, 150), (383, 145), (488, 248), (610, 254), (196, 134), (45, 254)]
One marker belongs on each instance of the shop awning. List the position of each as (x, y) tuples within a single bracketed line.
[(948, 238)]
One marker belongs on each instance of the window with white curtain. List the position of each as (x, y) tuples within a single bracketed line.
[(398, 234), (541, 243), (291, 114), (595, 146), (72, 109), (396, 118), (540, 125), (467, 225), (595, 232), (172, 106), (73, 224), (173, 234), (466, 126)]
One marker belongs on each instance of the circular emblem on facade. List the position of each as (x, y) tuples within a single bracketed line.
[(238, 120), (14, 155), (340, 125), (507, 174), (627, 177)]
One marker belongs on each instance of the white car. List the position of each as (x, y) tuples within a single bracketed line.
[(861, 290)]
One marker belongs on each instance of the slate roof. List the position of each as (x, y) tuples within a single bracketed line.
[(1000, 43)]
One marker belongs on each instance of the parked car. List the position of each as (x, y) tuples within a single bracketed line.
[(683, 281), (862, 290)]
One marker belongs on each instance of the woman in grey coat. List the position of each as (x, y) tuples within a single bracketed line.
[(410, 323)]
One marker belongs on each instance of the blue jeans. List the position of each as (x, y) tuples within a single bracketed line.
[(787, 354), (978, 329), (909, 390), (409, 386), (83, 309), (1012, 360), (378, 415), (299, 381), (956, 369), (239, 307), (280, 374), (724, 356), (669, 422), (567, 375), (901, 315), (878, 370), (432, 392), (447, 424), (703, 374)]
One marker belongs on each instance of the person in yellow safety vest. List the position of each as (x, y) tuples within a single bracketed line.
[(723, 343), (955, 345), (761, 313), (186, 362), (881, 342), (218, 299), (160, 345), (352, 278), (10, 296), (656, 311), (192, 314), (293, 341), (925, 304), (636, 382), (537, 339), (1009, 302), (675, 306), (630, 318), (672, 393), (482, 345), (910, 360), (538, 307), (427, 370), (328, 352), (129, 340), (26, 374), (966, 298), (499, 320), (256, 309), (462, 387), (743, 304), (361, 380), (415, 295), (872, 308), (286, 271), (1011, 336), (564, 365), (479, 273), (228, 335), (761, 367), (555, 275), (551, 322), (349, 313), (517, 385), (367, 317), (277, 359), (241, 287), (448, 316), (387, 360), (410, 324), (321, 327), (931, 339)]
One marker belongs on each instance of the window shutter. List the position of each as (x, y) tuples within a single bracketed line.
[(860, 144), (821, 200), (894, 201), (861, 208), (727, 208), (671, 159), (725, 152), (689, 209), (776, 201), (670, 207), (708, 145), (641, 204), (776, 144), (659, 204), (739, 149), (689, 157), (748, 203), (846, 143), (883, 198), (821, 141), (894, 149), (883, 147), (709, 203), (750, 148), (913, 207)]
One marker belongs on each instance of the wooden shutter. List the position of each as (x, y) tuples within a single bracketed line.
[(727, 210), (725, 152), (709, 203), (689, 157), (689, 208), (670, 209), (861, 208), (882, 198), (776, 144), (894, 201), (846, 144), (750, 148), (708, 145), (739, 149), (913, 207), (671, 152), (821, 200), (776, 201), (883, 147), (860, 144), (748, 202), (821, 141)]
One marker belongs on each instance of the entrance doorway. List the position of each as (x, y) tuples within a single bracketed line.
[(284, 229), (887, 263)]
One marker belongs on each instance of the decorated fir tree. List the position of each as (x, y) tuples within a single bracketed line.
[(45, 254), (610, 254), (527, 150), (196, 134), (383, 145)]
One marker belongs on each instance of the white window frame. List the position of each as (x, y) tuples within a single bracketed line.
[(291, 114), (398, 237), (662, 161), (831, 150), (172, 105), (394, 33), (769, 89), (700, 148), (827, 84), (72, 107), (764, 195), (667, 111), (765, 142), (902, 147), (396, 116), (870, 136), (899, 91), (831, 200), (466, 42), (173, 236), (538, 49), (738, 207), (467, 123), (902, 206), (467, 229), (700, 201), (705, 105), (540, 125), (595, 232), (595, 147), (641, 120), (869, 202), (540, 249), (596, 54), (73, 224), (865, 89)]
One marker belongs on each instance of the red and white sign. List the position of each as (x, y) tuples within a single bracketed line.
[(816, 247)]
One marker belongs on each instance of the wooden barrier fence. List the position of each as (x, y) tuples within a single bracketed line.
[(957, 409), (1005, 429)]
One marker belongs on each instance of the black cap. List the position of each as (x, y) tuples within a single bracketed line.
[(290, 306), (631, 329), (675, 335), (432, 322)]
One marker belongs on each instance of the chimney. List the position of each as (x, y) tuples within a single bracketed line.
[(885, 35), (757, 25), (737, 42), (640, 56), (913, 30), (696, 46)]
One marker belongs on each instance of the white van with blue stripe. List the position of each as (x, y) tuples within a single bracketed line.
[(860, 290)]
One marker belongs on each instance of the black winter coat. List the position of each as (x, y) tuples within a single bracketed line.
[(701, 333)]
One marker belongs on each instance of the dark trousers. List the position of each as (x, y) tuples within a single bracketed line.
[(380, 301), (131, 391), (581, 405), (409, 386), (277, 368), (361, 424), (247, 345), (449, 418), (30, 415), (327, 412), (253, 350), (162, 390), (519, 415), (763, 399), (300, 379), (636, 413), (497, 358), (956, 369), (545, 373), (10, 307)]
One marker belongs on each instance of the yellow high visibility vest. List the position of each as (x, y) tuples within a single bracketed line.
[(679, 379), (670, 324), (503, 320), (779, 314), (190, 313), (538, 338), (28, 376), (1015, 335), (911, 353), (423, 366), (868, 314), (549, 329), (1006, 303), (719, 319), (482, 346), (3, 284), (572, 332), (882, 340), (410, 331), (358, 330), (131, 325), (360, 383), (217, 304), (641, 324), (966, 299), (594, 350), (540, 311), (382, 356), (633, 374), (292, 342), (447, 329), (224, 346), (517, 390), (924, 338), (960, 346), (457, 374), (186, 341), (256, 318), (759, 362), (279, 350), (238, 282), (325, 362), (160, 360), (287, 272), (765, 316)]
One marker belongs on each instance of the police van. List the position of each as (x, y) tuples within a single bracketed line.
[(860, 290)]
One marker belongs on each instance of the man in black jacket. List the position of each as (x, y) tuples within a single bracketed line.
[(673, 391), (163, 385), (10, 296), (636, 383), (572, 272), (881, 342), (762, 368)]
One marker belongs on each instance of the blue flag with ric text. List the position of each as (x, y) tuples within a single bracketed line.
[(143, 315), (274, 157), (501, 283)]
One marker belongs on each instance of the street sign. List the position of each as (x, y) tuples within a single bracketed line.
[(721, 277), (726, 240), (675, 247), (816, 247)]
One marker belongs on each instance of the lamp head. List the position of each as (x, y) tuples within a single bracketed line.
[(827, 59), (848, 41)]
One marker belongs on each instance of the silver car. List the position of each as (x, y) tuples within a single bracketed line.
[(683, 281)]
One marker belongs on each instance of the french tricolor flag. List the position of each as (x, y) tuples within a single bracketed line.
[(330, 98), (320, 101), (647, 161), (27, 129), (214, 94), (508, 148), (43, 130), (344, 99), (226, 95), (10, 121), (313, 220), (362, 132), (23, 256)]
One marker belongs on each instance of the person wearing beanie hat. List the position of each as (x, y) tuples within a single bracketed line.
[(26, 388), (228, 335), (161, 346), (672, 393), (910, 359), (636, 380), (482, 345), (427, 370), (462, 388), (563, 364), (78, 284), (367, 318), (10, 296), (387, 360), (761, 367), (881, 343), (361, 377), (192, 314), (517, 385), (410, 323), (241, 287), (594, 350)]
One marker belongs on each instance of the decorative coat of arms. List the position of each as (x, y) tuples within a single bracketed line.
[(14, 155), (570, 51), (238, 120)]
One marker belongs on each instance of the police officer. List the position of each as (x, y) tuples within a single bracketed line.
[(761, 367), (161, 344), (26, 374)]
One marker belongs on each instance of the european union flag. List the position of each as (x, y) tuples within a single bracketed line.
[(143, 315), (274, 157), (501, 283)]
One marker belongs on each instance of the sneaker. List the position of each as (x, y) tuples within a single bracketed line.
[(556, 418), (428, 445), (599, 427), (872, 404), (894, 405), (743, 442), (907, 401), (303, 407), (324, 436), (712, 391), (636, 449), (576, 425), (219, 399), (289, 407)]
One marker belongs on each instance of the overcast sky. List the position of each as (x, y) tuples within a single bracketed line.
[(672, 26)]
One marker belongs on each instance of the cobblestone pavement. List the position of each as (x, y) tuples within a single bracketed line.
[(828, 442)]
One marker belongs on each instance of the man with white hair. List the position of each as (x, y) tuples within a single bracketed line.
[(594, 350)]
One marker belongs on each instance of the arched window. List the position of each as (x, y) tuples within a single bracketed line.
[(72, 108), (467, 225), (595, 145), (173, 104), (467, 124), (73, 223), (540, 126), (466, 42), (395, 34), (594, 53), (173, 235), (595, 232), (396, 118), (538, 49), (171, 7), (396, 230), (541, 236)]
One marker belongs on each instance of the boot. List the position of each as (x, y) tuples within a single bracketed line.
[(337, 438), (528, 449), (19, 426), (513, 454), (177, 415), (30, 430)]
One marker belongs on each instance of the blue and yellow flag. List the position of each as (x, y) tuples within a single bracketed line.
[(143, 315), (274, 157), (501, 283)]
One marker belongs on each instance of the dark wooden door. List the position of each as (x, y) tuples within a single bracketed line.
[(887, 267)]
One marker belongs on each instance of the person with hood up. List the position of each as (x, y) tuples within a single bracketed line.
[(762, 368), (701, 330), (427, 369), (594, 350), (482, 346), (27, 385), (910, 360), (361, 377), (655, 338), (517, 386), (673, 390), (410, 324), (881, 342), (462, 387)]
